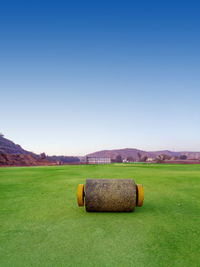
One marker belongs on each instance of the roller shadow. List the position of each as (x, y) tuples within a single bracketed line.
[(146, 208)]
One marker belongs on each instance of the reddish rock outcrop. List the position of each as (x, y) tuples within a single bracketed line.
[(21, 160)]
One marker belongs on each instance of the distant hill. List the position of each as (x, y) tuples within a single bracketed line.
[(12, 154), (133, 152), (9, 147), (126, 152)]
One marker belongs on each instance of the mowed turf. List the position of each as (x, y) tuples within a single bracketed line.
[(41, 224)]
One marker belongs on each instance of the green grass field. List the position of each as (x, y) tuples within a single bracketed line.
[(41, 224)]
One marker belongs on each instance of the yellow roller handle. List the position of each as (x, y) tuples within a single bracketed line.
[(140, 195), (80, 195)]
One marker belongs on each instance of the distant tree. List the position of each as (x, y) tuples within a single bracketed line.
[(165, 157), (130, 159), (144, 159), (183, 157), (1, 135), (43, 155), (139, 156), (159, 159), (63, 159), (118, 159), (176, 157)]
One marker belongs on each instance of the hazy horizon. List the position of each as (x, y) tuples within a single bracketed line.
[(114, 148), (78, 77)]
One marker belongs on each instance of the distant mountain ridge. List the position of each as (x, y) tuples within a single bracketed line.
[(9, 147), (12, 154), (133, 152)]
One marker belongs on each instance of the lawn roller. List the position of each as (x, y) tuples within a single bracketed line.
[(110, 195)]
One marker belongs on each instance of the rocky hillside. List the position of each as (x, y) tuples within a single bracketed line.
[(12, 154), (9, 147), (21, 160)]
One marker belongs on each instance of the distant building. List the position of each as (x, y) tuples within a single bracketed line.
[(98, 160), (149, 159)]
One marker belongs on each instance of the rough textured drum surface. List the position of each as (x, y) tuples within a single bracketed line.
[(110, 195)]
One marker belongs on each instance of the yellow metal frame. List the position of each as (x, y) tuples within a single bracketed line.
[(140, 195), (80, 195)]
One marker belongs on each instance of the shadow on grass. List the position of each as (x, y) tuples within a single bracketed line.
[(138, 210)]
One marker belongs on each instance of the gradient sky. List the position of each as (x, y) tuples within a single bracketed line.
[(81, 76)]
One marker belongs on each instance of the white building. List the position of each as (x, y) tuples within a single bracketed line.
[(149, 159), (98, 160)]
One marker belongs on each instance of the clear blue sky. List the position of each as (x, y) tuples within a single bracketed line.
[(81, 76)]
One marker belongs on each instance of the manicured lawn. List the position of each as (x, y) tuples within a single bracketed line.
[(41, 224)]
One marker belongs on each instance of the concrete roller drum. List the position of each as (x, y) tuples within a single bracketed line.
[(110, 195)]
